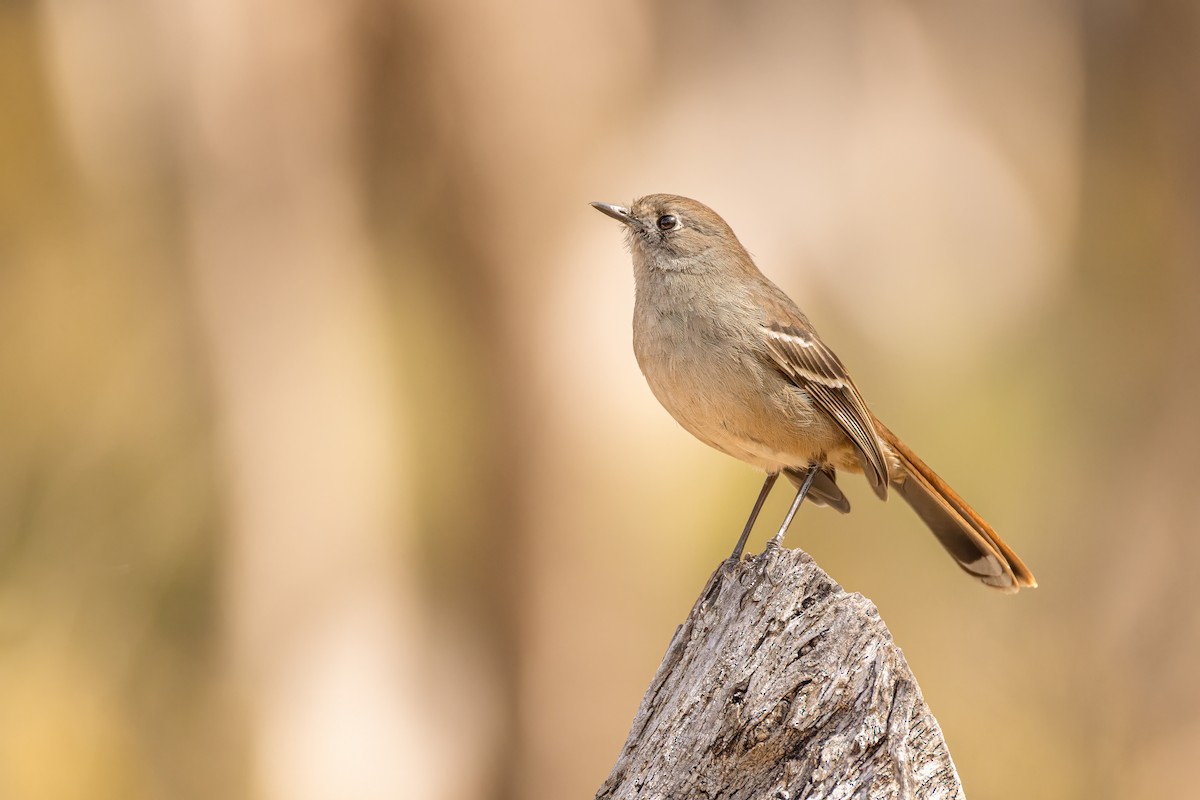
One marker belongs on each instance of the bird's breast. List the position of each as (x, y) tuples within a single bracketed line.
[(712, 380)]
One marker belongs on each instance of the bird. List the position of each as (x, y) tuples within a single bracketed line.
[(739, 366)]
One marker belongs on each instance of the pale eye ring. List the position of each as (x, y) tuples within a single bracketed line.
[(666, 222)]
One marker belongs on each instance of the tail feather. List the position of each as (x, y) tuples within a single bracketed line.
[(977, 548)]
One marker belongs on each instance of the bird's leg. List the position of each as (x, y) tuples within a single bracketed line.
[(801, 493), (758, 504)]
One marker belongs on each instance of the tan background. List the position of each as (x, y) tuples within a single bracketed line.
[(326, 470)]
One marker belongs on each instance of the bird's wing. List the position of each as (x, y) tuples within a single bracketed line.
[(819, 373)]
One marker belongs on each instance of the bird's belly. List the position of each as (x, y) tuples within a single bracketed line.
[(741, 410)]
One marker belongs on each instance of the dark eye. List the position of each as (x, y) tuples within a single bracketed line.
[(666, 222)]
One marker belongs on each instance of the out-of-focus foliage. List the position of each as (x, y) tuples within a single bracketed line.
[(325, 466)]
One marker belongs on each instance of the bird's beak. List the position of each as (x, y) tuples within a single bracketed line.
[(616, 212)]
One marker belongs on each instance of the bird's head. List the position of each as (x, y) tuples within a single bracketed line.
[(673, 233)]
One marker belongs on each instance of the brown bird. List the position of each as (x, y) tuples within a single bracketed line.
[(741, 368)]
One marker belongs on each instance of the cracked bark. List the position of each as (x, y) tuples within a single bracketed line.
[(782, 685)]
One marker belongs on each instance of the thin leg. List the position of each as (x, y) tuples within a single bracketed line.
[(800, 495), (758, 504)]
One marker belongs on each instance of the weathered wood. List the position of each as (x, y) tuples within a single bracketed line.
[(780, 684)]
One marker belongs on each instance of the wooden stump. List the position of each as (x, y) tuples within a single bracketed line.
[(782, 685)]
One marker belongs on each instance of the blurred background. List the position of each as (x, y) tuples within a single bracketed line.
[(326, 469)]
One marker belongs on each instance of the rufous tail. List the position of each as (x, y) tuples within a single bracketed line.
[(977, 548)]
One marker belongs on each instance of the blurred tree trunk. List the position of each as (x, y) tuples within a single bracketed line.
[(327, 641), (1139, 271)]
